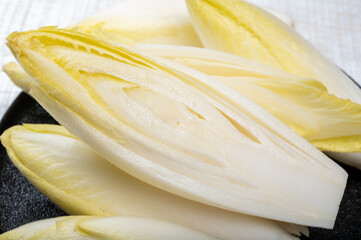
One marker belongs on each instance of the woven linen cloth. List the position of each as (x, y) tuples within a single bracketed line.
[(333, 26)]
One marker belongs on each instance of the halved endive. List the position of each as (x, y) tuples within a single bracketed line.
[(105, 228), (328, 122), (82, 183), (243, 29), (179, 129)]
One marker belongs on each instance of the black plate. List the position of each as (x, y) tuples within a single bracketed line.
[(21, 203)]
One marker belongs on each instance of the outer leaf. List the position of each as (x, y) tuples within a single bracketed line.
[(243, 29), (133, 228), (328, 122), (202, 141), (82, 183), (110, 228), (18, 76), (62, 228)]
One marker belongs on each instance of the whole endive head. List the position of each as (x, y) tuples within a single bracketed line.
[(304, 104), (179, 129)]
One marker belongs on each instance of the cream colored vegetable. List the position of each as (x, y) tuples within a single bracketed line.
[(104, 228), (155, 21), (29, 230), (243, 29), (311, 112), (82, 183), (146, 21), (203, 140), (328, 122), (18, 76)]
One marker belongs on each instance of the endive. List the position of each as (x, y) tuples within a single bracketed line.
[(18, 76), (178, 129), (144, 21), (82, 183), (243, 29), (105, 228), (329, 123), (312, 114)]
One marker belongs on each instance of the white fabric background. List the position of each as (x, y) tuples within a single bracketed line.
[(333, 26)]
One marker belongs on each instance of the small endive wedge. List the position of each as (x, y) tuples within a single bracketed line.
[(329, 123), (179, 129), (143, 21), (82, 183), (243, 29), (103, 228)]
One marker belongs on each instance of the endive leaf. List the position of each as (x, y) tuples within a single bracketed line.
[(62, 228), (82, 183), (316, 115), (106, 228), (179, 129), (144, 21), (329, 123), (18, 76), (243, 29), (119, 228)]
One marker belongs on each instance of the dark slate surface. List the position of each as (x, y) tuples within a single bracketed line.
[(21, 203)]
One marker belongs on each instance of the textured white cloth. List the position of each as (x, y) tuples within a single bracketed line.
[(333, 26)]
